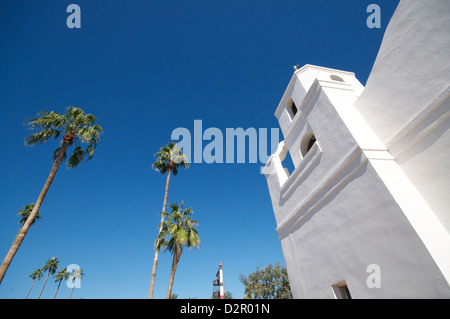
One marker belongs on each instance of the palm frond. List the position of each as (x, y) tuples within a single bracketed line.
[(75, 124), (72, 113), (41, 137), (174, 207), (76, 158), (160, 166), (89, 134), (90, 150), (194, 239), (169, 154), (51, 265), (56, 153), (47, 120), (178, 230), (37, 274), (25, 213), (62, 274)]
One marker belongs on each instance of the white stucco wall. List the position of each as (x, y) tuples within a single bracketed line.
[(374, 187), (346, 204), (357, 226), (406, 98)]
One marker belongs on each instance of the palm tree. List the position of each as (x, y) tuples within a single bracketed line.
[(78, 273), (62, 274), (76, 126), (37, 274), (25, 213), (177, 231), (169, 159), (50, 267)]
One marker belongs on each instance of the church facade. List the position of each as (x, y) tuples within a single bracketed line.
[(366, 211)]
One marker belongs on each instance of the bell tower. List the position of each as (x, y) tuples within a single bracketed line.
[(347, 206)]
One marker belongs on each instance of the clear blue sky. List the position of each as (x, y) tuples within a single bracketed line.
[(144, 68)]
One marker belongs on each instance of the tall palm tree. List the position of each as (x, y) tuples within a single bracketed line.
[(62, 274), (25, 213), (37, 274), (50, 267), (177, 231), (75, 126), (169, 159), (77, 274)]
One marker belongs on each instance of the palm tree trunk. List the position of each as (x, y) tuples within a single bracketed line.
[(23, 231), (59, 284), (48, 274), (30, 288), (155, 260), (70, 297), (176, 259)]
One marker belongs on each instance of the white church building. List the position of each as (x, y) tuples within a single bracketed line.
[(366, 211)]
